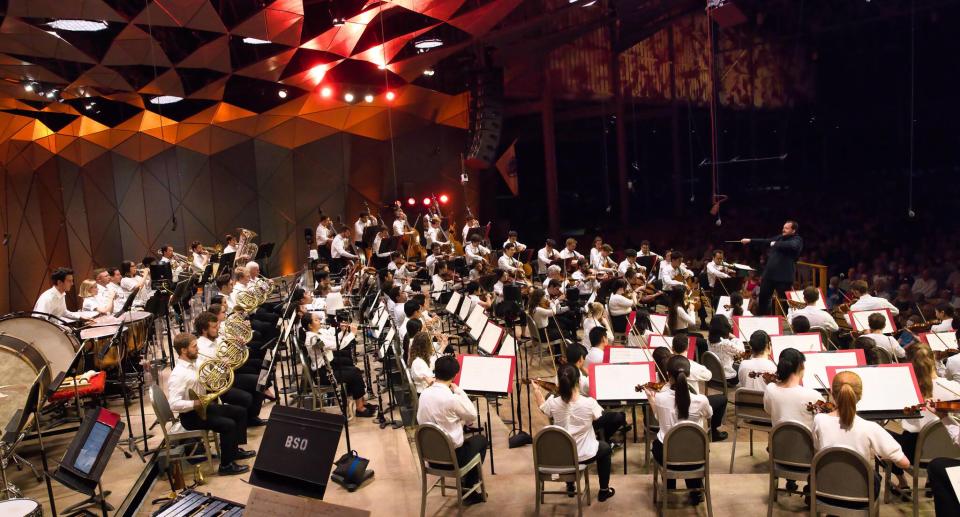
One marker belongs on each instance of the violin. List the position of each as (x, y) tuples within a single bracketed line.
[(821, 406), (768, 377), (940, 355), (934, 405), (547, 386), (924, 325), (652, 386), (795, 304)]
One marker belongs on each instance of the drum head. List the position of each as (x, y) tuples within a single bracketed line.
[(20, 508), (135, 316), (19, 365), (57, 344)]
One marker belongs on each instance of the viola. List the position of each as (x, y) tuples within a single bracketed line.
[(821, 406), (768, 377), (652, 386), (547, 386)]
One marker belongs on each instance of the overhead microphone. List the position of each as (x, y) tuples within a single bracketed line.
[(173, 227)]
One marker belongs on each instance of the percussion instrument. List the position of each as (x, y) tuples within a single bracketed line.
[(98, 339), (20, 362), (57, 344), (138, 327), (21, 508)]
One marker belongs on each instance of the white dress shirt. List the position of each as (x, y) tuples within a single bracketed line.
[(889, 344), (200, 261), (864, 437), (229, 248), (542, 315), (586, 287), (576, 417), (508, 264), (448, 407), (944, 326), (422, 373), (323, 235), (818, 318), (665, 407), (626, 265), (206, 350), (943, 389), (594, 356), (589, 323), (54, 302), (727, 350), (377, 241), (789, 404), (873, 303), (569, 254), (182, 379), (519, 245), (603, 264), (667, 272), (714, 272), (728, 313), (474, 253), (543, 259), (953, 368), (928, 288), (339, 248), (758, 364), (619, 305), (360, 226)]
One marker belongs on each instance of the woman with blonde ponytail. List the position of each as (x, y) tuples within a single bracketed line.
[(843, 428)]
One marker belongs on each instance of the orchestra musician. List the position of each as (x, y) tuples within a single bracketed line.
[(244, 392), (570, 250), (432, 233), (943, 312), (735, 308), (596, 249), (470, 223), (230, 245), (584, 279), (512, 239), (629, 262), (474, 251), (673, 269), (227, 420), (546, 255), (717, 270), (602, 263), (325, 342), (620, 305), (340, 256), (200, 257), (507, 262), (130, 281), (364, 221), (700, 373), (866, 302), (91, 300), (674, 404), (759, 362), (784, 251), (877, 322), (728, 348), (596, 316), (817, 317), (580, 416)]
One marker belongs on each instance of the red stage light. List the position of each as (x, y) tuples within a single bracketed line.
[(426, 201), (326, 92), (411, 201), (444, 198), (390, 96)]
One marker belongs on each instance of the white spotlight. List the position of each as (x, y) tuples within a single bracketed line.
[(368, 97), (348, 97)]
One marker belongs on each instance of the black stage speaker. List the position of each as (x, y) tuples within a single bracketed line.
[(487, 120), (296, 453)]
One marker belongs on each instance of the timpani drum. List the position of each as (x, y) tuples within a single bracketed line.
[(138, 327), (57, 344), (20, 363), (20, 508), (99, 338)]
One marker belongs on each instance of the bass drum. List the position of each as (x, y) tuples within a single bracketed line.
[(20, 363), (21, 508), (57, 344)]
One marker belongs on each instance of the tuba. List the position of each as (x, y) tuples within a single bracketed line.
[(246, 249)]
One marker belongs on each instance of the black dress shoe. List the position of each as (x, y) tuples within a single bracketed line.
[(473, 499), (256, 422), (718, 436), (232, 469), (367, 412), (242, 454)]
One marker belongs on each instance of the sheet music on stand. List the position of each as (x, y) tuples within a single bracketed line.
[(617, 382), (465, 308), (797, 296), (815, 366), (887, 388), (489, 341), (508, 347), (387, 340), (745, 326), (485, 375), (659, 323), (858, 320), (939, 341), (624, 354), (453, 303), (804, 342), (476, 321)]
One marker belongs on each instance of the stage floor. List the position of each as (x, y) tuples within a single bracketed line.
[(395, 489)]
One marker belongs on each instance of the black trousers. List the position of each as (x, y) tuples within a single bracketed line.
[(228, 421), (718, 403), (608, 424), (672, 483), (908, 442), (472, 445), (765, 296), (944, 500), (353, 378), (245, 395), (604, 466)]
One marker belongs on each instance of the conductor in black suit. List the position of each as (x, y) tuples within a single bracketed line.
[(781, 264)]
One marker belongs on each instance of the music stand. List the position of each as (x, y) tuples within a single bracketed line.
[(263, 256), (226, 262), (87, 456)]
